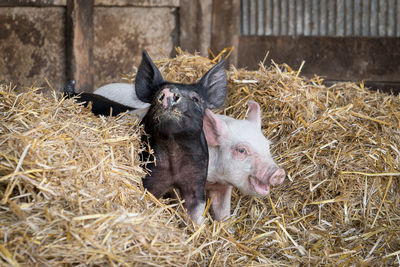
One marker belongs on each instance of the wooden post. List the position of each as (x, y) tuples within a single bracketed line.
[(80, 44), (225, 27), (195, 25)]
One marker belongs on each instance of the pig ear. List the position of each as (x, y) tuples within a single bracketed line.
[(212, 86), (213, 128), (254, 113), (148, 79)]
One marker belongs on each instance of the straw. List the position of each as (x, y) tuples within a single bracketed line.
[(71, 192)]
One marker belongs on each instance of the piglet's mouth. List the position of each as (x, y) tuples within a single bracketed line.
[(171, 113), (259, 187)]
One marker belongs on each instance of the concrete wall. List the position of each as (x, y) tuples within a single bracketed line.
[(32, 41), (32, 45), (121, 34)]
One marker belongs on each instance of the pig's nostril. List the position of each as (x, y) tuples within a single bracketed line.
[(161, 97), (278, 177), (176, 97)]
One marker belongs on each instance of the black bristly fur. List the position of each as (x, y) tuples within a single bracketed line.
[(180, 150), (176, 133)]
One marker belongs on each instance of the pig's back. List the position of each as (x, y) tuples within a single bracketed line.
[(122, 93)]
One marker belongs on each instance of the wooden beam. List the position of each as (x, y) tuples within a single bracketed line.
[(80, 44), (195, 25), (38, 3), (138, 3), (225, 27), (105, 3), (334, 58)]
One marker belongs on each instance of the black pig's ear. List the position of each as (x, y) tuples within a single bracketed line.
[(148, 79), (212, 86)]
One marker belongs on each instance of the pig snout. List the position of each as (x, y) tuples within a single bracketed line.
[(277, 177), (169, 97), (271, 176), (264, 178)]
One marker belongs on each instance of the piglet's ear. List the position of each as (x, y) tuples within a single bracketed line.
[(254, 113), (148, 79), (212, 86), (213, 128)]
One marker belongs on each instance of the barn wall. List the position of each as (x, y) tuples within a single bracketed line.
[(32, 40), (32, 45), (121, 34)]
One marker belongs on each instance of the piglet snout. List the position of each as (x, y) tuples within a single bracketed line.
[(277, 177), (169, 97)]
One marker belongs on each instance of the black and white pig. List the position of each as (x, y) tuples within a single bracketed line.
[(174, 122), (111, 99)]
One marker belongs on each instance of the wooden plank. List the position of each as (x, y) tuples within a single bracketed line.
[(138, 3), (225, 26), (334, 58), (110, 3), (39, 3), (195, 25), (80, 44)]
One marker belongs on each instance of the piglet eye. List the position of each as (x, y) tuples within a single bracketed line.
[(240, 153), (241, 150)]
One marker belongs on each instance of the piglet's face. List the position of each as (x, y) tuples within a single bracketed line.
[(179, 107), (243, 156)]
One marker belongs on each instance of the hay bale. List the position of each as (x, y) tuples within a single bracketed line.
[(70, 185), (340, 148), (70, 188)]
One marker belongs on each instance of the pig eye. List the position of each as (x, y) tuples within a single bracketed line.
[(195, 99), (241, 150)]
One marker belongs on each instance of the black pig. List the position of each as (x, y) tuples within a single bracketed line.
[(174, 123)]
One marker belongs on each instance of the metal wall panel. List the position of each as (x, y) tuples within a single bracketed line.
[(359, 18)]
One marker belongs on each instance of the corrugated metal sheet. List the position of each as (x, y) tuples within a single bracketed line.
[(369, 18)]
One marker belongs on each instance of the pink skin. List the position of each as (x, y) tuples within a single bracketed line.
[(221, 199), (240, 157), (166, 94), (168, 98)]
